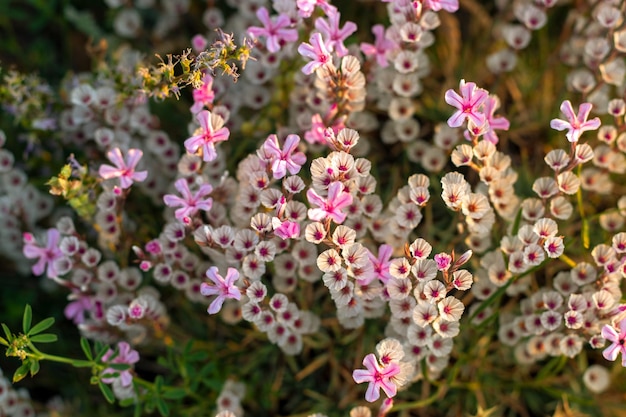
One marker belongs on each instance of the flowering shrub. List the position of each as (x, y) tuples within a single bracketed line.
[(309, 198)]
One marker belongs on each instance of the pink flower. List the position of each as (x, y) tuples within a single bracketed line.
[(285, 229), (283, 160), (317, 132), (223, 287), (331, 206), (501, 123), (377, 376), (332, 34), (199, 43), (204, 95), (317, 51), (382, 262), (124, 170), (75, 310), (47, 255), (447, 5), (189, 203), (275, 31), (306, 7), (468, 104), (125, 355), (381, 46), (575, 124), (618, 342), (211, 131), (443, 261)]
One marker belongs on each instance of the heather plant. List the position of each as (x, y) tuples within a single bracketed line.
[(296, 208)]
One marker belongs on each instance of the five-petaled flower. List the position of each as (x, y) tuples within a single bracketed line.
[(317, 51), (379, 377), (382, 263), (381, 46), (618, 341), (211, 131), (447, 5), (203, 95), (276, 31), (468, 104), (224, 287), (125, 355), (47, 255), (333, 34), (329, 207), (190, 202), (286, 159), (124, 170), (575, 124), (501, 123)]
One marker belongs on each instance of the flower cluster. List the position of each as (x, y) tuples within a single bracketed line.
[(339, 199)]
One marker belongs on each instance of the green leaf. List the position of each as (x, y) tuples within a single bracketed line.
[(102, 349), (3, 341), (119, 366), (44, 338), (7, 332), (199, 356), (34, 367), (44, 324), (27, 319), (81, 364), (158, 383), (110, 375), (84, 344), (22, 371), (164, 410), (106, 391), (127, 402), (175, 394)]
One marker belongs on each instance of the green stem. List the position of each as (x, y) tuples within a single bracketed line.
[(581, 210)]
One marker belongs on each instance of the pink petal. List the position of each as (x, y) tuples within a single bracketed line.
[(108, 172), (216, 305), (132, 158), (314, 198), (558, 124), (453, 98), (373, 392), (362, 375), (140, 176), (567, 110), (115, 156), (610, 353), (231, 276), (609, 333)]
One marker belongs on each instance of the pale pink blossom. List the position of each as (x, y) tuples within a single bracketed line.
[(331, 206), (277, 31), (618, 342), (575, 124), (317, 51), (124, 170), (223, 288), (45, 255), (125, 355), (189, 202), (381, 46), (447, 5), (211, 131), (334, 35), (468, 104), (378, 377), (286, 159)]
